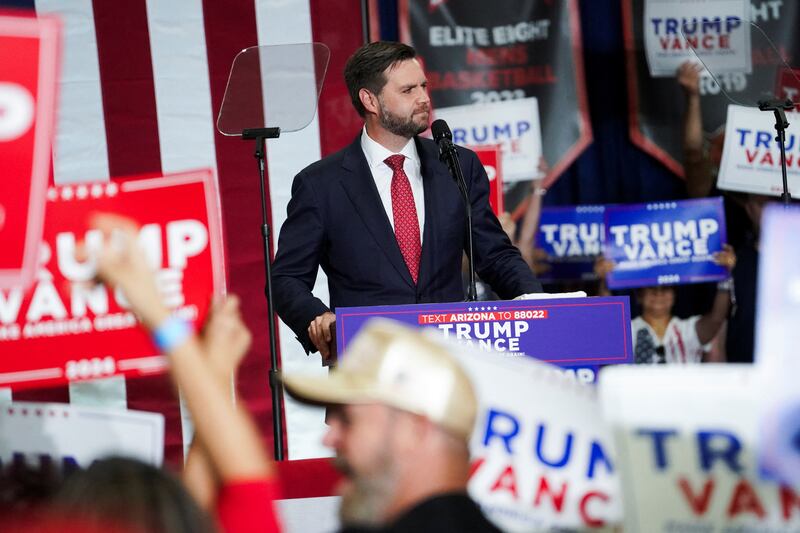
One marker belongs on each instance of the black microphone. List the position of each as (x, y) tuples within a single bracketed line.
[(443, 137)]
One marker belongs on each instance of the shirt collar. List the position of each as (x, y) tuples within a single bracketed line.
[(377, 153)]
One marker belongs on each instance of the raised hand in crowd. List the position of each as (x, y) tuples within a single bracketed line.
[(696, 163), (710, 324), (602, 268), (530, 221), (225, 341), (227, 435), (688, 77)]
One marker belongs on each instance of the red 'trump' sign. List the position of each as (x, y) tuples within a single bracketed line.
[(29, 54), (63, 328)]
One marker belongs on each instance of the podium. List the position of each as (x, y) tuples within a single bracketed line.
[(577, 334)]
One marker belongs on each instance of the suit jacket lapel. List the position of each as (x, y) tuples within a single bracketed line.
[(431, 171), (360, 188)]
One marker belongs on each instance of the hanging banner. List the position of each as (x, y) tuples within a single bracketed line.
[(64, 328), (490, 157), (664, 243), (572, 237), (687, 437), (74, 436), (542, 455), (30, 55), (714, 32), (514, 125), (656, 105), (751, 158), (476, 52)]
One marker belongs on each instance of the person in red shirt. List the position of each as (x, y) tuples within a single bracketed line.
[(227, 469)]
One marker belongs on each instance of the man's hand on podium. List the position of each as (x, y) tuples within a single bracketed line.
[(319, 331)]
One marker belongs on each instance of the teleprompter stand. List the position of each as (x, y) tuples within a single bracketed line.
[(260, 135), (272, 90)]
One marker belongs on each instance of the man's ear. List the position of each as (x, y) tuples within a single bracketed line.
[(414, 430), (368, 100)]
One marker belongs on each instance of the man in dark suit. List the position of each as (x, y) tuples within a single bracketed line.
[(383, 217)]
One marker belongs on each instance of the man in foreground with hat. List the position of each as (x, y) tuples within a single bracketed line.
[(401, 414)]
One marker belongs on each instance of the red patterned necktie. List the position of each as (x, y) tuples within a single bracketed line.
[(404, 212)]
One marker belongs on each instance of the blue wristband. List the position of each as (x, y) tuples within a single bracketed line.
[(171, 333)]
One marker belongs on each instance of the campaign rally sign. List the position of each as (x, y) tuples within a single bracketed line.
[(788, 85), (751, 158), (513, 124), (686, 437), (664, 243), (490, 157), (71, 435), (542, 455), (776, 339), (542, 329), (572, 237), (714, 31), (30, 55), (64, 328)]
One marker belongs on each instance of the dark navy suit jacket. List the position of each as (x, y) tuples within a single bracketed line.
[(336, 220)]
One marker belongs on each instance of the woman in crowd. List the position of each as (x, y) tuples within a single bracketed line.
[(661, 337)]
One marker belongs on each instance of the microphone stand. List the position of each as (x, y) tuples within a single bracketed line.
[(260, 135), (447, 154), (779, 107)]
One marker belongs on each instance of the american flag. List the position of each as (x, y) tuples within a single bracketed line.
[(142, 82)]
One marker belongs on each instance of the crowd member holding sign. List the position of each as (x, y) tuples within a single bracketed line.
[(227, 470), (742, 216), (383, 217), (659, 336), (401, 418)]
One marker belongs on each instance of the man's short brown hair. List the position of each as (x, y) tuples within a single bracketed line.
[(364, 69)]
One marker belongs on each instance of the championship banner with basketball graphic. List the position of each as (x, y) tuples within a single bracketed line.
[(656, 104), (476, 52), (64, 327)]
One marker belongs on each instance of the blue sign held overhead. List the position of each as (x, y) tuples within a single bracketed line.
[(664, 243), (572, 237)]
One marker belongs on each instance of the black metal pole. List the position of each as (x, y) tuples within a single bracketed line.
[(274, 383), (365, 29), (781, 139)]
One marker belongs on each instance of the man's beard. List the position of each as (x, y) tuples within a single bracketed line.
[(367, 496), (401, 126)]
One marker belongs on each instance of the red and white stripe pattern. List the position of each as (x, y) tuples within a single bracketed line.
[(142, 83)]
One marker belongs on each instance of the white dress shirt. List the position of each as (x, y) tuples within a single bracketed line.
[(680, 341), (376, 154)]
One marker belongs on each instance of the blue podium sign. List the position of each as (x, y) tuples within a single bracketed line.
[(664, 243), (573, 333)]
